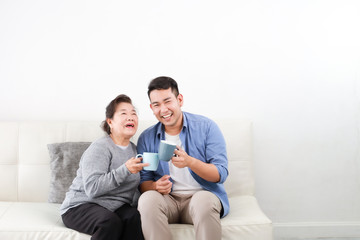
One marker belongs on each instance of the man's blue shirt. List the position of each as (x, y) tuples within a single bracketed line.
[(201, 139)]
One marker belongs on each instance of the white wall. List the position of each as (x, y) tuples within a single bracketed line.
[(290, 66)]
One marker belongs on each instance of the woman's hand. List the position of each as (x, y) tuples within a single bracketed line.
[(134, 165)]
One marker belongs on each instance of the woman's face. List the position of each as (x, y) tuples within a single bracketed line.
[(124, 123)]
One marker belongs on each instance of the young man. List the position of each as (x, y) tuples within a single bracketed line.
[(189, 188)]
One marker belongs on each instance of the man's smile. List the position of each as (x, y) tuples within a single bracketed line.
[(166, 116)]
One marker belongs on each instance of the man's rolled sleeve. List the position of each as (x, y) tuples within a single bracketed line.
[(216, 149)]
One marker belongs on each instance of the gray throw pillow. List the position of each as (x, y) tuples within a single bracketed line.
[(64, 162)]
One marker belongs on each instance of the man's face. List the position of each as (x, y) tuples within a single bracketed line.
[(167, 108)]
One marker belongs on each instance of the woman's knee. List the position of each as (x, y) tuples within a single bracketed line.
[(133, 216), (108, 220)]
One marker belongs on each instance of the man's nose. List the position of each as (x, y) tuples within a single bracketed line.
[(163, 108)]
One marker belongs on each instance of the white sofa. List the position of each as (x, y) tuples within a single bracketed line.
[(25, 175)]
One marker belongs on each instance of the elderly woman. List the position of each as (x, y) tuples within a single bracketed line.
[(99, 201)]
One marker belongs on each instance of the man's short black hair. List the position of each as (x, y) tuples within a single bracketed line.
[(163, 83)]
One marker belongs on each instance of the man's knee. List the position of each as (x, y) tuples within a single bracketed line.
[(149, 201), (204, 204)]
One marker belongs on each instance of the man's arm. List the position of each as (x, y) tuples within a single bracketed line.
[(163, 185), (212, 169), (207, 171)]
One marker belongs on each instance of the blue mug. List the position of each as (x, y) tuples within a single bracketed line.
[(151, 158), (166, 150)]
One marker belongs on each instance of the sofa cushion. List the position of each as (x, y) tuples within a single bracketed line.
[(42, 221), (64, 162)]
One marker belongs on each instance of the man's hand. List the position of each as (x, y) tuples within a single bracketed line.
[(207, 171), (134, 165), (181, 159), (163, 185)]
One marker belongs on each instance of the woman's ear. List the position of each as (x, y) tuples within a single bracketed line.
[(108, 120)]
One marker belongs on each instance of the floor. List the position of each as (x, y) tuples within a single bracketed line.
[(356, 238)]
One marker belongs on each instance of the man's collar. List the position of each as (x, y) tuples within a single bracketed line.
[(161, 128)]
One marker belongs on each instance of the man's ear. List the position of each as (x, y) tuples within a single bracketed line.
[(180, 99), (151, 106)]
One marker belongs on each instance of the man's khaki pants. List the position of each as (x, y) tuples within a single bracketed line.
[(202, 209)]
